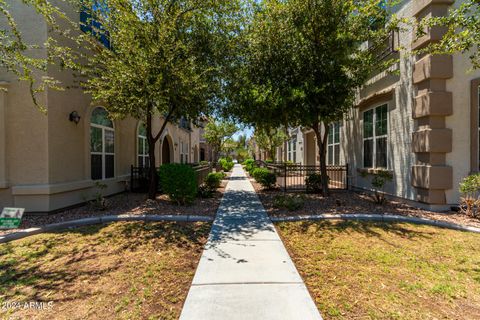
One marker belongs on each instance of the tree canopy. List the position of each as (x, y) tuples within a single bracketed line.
[(164, 58), (462, 34), (303, 60), (218, 133)]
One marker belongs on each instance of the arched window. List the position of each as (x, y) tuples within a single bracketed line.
[(143, 159), (102, 145)]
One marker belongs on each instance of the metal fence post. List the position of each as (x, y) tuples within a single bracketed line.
[(285, 178), (346, 175)]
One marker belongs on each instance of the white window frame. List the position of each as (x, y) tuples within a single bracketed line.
[(103, 153), (292, 149), (145, 156), (374, 137), (338, 125)]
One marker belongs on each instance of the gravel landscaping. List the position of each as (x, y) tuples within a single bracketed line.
[(127, 203), (350, 202)]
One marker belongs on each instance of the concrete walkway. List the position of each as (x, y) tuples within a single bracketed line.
[(245, 271)]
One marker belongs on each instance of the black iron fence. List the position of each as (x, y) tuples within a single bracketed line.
[(291, 177), (140, 177)]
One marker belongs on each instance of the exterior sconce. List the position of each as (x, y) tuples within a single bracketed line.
[(74, 117)]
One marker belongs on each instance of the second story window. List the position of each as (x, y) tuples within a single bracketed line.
[(89, 21)]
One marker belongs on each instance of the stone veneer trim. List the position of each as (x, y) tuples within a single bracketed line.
[(432, 140)]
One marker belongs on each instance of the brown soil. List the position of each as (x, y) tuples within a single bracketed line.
[(128, 203), (349, 202)]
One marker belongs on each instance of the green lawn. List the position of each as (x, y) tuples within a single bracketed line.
[(358, 270), (118, 271)]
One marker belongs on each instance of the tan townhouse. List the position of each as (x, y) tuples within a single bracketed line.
[(419, 120), (53, 161)]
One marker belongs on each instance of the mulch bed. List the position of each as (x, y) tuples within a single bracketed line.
[(350, 202), (127, 203)]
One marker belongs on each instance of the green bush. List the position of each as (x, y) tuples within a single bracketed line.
[(269, 161), (213, 180), (205, 192), (226, 164), (289, 202), (470, 199), (249, 165), (203, 163), (266, 178), (179, 182), (378, 181), (313, 183)]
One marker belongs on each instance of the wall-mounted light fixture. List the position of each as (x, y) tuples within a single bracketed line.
[(74, 117)]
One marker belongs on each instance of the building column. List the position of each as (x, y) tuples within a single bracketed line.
[(431, 140), (3, 133)]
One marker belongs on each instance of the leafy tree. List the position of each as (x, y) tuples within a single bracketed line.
[(462, 27), (165, 59), (16, 54), (218, 134), (302, 62), (270, 140)]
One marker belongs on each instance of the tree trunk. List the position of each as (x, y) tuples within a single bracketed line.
[(152, 188), (322, 151), (152, 141)]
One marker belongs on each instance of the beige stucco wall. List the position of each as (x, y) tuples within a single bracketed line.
[(459, 122), (400, 123)]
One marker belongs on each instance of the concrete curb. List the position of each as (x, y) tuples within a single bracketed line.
[(380, 218), (100, 220)]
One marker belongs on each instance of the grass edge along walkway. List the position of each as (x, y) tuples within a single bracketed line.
[(245, 271)]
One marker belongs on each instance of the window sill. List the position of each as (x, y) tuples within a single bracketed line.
[(373, 170)]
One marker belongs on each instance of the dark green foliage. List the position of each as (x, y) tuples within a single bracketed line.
[(263, 176), (313, 182), (179, 182), (226, 164), (249, 165), (379, 179), (205, 192), (213, 180), (289, 202)]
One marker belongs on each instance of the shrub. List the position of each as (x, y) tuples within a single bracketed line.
[(379, 179), (289, 202), (179, 182), (269, 161), (203, 163), (213, 180), (226, 163), (470, 199), (313, 182), (205, 192), (249, 165), (266, 178)]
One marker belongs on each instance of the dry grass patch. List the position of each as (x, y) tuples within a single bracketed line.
[(117, 271), (358, 270)]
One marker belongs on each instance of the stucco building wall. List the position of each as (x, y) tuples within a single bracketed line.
[(45, 158)]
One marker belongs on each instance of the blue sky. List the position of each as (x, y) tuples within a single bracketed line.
[(248, 131)]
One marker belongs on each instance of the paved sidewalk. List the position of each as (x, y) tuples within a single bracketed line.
[(245, 271)]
